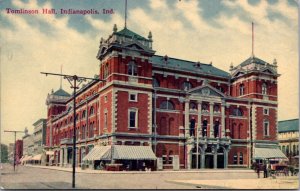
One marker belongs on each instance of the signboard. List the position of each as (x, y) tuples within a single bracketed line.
[(159, 164), (176, 164)]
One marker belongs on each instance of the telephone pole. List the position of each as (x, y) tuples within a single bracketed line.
[(15, 132), (73, 79)]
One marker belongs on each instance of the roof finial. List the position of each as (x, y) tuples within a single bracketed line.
[(61, 77), (115, 29), (125, 13), (150, 36), (252, 39)]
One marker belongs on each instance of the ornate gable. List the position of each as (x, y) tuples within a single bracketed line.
[(207, 90)]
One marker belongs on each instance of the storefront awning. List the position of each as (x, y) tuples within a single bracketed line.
[(124, 152), (49, 152), (37, 157), (98, 153), (268, 153)]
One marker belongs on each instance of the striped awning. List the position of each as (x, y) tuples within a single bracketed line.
[(98, 153), (49, 152), (37, 157), (268, 153), (125, 152)]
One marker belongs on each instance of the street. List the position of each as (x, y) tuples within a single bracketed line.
[(28, 177)]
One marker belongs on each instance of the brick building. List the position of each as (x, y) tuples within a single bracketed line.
[(19, 151), (192, 114)]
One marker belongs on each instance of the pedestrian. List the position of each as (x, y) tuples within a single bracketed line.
[(258, 170), (265, 171)]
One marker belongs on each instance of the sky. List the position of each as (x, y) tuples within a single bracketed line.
[(205, 30)]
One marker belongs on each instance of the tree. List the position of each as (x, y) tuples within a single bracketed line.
[(4, 153)]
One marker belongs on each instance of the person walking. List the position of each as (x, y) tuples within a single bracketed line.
[(265, 171), (258, 170)]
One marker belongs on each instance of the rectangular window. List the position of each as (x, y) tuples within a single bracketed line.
[(105, 120), (266, 128), (132, 97), (266, 111), (235, 159), (133, 114), (105, 99), (164, 159), (170, 159)]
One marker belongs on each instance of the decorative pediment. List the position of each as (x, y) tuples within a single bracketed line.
[(268, 70), (135, 46), (207, 90), (238, 73)]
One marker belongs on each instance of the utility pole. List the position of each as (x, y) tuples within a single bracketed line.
[(15, 132), (74, 79)]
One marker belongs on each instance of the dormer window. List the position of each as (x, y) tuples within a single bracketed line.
[(264, 89), (186, 86), (132, 69), (242, 89)]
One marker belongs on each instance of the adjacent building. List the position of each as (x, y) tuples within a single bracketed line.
[(39, 136), (288, 137), (28, 144), (187, 114), (19, 151)]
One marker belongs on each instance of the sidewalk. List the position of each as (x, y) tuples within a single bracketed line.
[(90, 171), (283, 182)]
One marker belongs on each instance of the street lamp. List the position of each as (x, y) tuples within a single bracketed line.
[(15, 132), (74, 79)]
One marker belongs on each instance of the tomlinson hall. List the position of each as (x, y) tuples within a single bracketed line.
[(159, 112)]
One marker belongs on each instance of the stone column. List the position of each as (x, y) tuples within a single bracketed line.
[(203, 158), (225, 158), (186, 118), (199, 132), (222, 120), (215, 158), (189, 156), (61, 157), (65, 156), (211, 123)]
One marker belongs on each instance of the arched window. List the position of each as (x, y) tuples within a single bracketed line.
[(106, 70), (204, 107), (294, 150), (266, 128), (155, 82), (163, 126), (167, 105), (91, 110), (91, 130), (83, 114), (237, 112), (235, 158), (287, 150), (171, 125), (186, 86), (264, 89), (240, 130), (242, 89), (283, 149), (216, 108), (241, 158), (193, 106), (132, 69)]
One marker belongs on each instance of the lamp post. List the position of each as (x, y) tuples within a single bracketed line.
[(74, 79), (15, 132)]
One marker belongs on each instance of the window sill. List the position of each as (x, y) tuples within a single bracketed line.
[(132, 128)]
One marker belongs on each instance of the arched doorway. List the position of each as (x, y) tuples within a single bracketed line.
[(220, 157), (194, 158), (209, 158)]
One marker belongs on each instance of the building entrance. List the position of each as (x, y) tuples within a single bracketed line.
[(209, 161)]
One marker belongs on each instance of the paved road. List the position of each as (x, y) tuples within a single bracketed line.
[(37, 178)]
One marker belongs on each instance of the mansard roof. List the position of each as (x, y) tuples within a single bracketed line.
[(184, 65), (128, 33), (61, 92), (288, 125)]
